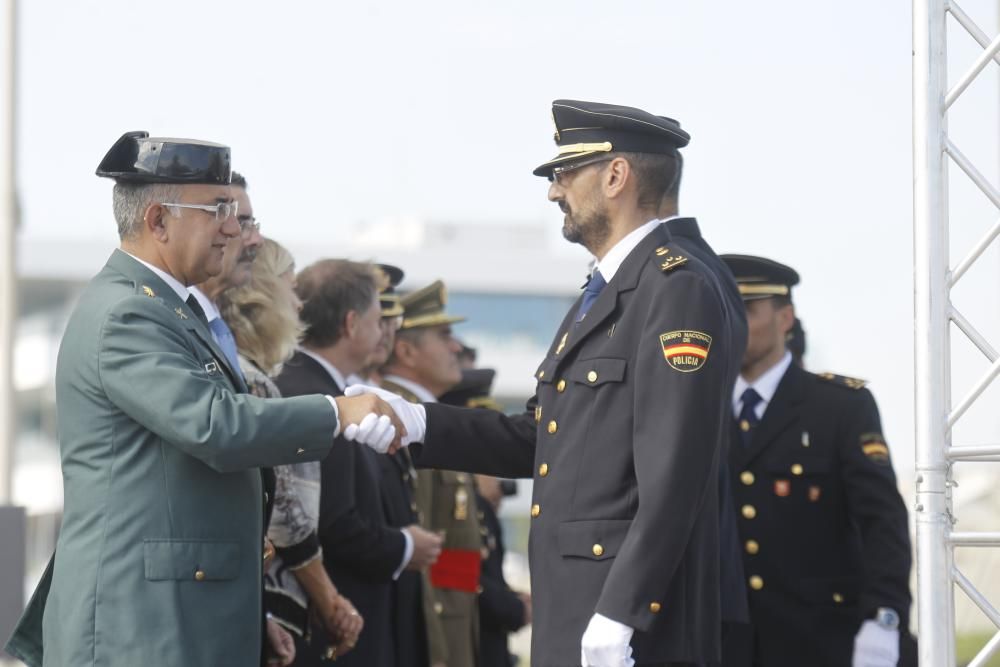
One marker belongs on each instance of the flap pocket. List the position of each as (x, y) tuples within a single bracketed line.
[(597, 540), (833, 591), (798, 466), (598, 371), (197, 560), (547, 371)]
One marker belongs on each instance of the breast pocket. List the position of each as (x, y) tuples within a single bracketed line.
[(195, 560), (598, 372), (801, 479)]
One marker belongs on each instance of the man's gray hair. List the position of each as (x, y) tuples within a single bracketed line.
[(131, 201)]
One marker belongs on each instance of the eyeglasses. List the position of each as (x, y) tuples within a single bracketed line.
[(248, 225), (557, 172), (222, 211)]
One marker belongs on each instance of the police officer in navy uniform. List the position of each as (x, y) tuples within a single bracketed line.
[(825, 542), (624, 434)]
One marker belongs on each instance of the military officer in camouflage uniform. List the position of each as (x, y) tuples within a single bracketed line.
[(629, 420), (824, 530), (423, 366)]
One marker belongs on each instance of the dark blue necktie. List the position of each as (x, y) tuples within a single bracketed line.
[(748, 415), (224, 337), (590, 294)]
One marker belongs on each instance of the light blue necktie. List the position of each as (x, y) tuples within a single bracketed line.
[(224, 337)]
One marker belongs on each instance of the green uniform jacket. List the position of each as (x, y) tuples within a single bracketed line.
[(159, 556), (446, 501)]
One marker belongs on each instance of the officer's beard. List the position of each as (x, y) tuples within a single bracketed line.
[(590, 228)]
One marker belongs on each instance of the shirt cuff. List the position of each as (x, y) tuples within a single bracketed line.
[(336, 412), (407, 554)]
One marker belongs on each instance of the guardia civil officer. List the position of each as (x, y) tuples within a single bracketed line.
[(825, 542), (160, 551), (624, 434)]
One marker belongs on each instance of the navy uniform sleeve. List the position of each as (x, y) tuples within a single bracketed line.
[(679, 406), (478, 440), (875, 506)]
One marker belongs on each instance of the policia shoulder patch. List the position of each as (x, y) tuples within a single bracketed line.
[(874, 447), (685, 351)]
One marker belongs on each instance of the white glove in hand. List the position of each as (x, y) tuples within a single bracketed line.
[(606, 644), (875, 646), (413, 415), (376, 432)]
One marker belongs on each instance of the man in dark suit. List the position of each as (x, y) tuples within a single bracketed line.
[(625, 432), (824, 530), (362, 552)]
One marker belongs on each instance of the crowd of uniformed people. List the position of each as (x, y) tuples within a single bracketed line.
[(273, 464)]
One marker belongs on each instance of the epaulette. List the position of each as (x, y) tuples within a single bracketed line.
[(668, 260), (843, 380)]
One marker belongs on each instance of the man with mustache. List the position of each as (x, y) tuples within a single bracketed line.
[(625, 432)]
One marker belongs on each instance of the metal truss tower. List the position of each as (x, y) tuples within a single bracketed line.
[(936, 414)]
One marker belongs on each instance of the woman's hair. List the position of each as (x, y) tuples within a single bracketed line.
[(262, 314)]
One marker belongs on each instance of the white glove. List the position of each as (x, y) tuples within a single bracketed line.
[(875, 646), (413, 415), (606, 644), (376, 432)]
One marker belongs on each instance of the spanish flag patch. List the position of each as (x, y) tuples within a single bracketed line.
[(873, 446), (685, 351)]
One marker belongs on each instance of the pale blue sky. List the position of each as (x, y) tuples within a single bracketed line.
[(345, 112)]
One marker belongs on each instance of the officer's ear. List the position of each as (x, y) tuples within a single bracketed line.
[(615, 175), (153, 220)]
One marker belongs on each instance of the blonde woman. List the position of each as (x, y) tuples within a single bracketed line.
[(264, 318)]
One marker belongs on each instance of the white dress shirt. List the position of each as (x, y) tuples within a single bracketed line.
[(171, 282), (765, 386), (421, 392), (613, 258), (211, 310)]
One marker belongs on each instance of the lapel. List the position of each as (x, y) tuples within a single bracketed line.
[(142, 278), (312, 367), (625, 280), (780, 413)]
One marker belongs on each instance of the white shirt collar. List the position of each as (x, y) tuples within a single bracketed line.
[(765, 385), (335, 374), (418, 390), (211, 310), (613, 259), (171, 282)]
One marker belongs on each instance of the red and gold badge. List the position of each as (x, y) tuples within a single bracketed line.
[(814, 493), (685, 351), (782, 488)]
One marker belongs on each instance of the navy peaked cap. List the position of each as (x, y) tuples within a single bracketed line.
[(585, 129)]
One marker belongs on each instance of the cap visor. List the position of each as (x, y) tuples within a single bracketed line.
[(545, 170)]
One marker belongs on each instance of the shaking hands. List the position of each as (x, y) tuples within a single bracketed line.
[(380, 419)]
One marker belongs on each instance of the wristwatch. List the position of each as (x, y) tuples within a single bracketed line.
[(887, 618)]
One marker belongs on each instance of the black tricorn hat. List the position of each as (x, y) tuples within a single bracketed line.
[(586, 129), (138, 158), (760, 277)]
